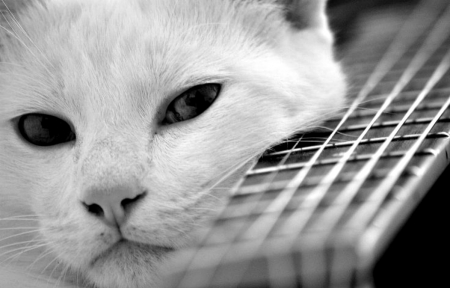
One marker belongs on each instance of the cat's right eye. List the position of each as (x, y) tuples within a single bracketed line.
[(192, 103), (44, 130)]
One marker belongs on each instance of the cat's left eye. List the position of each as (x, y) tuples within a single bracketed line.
[(44, 130), (191, 103)]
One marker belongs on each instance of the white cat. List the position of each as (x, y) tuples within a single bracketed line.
[(124, 122)]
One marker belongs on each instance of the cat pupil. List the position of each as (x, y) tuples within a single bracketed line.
[(44, 130), (192, 103)]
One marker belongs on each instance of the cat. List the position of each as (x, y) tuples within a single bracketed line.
[(124, 124)]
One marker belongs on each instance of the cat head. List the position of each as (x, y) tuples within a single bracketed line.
[(125, 123)]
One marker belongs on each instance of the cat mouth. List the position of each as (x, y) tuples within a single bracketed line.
[(128, 250)]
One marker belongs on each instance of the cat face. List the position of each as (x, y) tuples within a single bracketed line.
[(125, 123)]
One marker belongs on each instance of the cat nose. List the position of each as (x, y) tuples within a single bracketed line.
[(112, 205)]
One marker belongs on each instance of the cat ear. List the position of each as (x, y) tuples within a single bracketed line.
[(305, 13)]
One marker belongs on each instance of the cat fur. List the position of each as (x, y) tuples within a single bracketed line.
[(110, 68)]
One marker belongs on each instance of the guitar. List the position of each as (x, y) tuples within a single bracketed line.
[(321, 209)]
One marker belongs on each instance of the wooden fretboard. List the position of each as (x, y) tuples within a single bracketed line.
[(319, 210)]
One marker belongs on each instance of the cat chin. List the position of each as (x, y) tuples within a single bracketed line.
[(127, 264)]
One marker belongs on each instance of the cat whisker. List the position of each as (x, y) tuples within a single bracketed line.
[(322, 140), (14, 19), (49, 265), (200, 26), (312, 140), (16, 253), (367, 109), (43, 255), (18, 220), (77, 278), (170, 207), (23, 30), (222, 188), (63, 275), (23, 43), (372, 99), (50, 278), (41, 274), (324, 128), (15, 244), (202, 209), (18, 243), (20, 217), (12, 64), (25, 250), (288, 141), (325, 138), (31, 79), (214, 196), (19, 234), (181, 231), (230, 171), (340, 133), (16, 228)]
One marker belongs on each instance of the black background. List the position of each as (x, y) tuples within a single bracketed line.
[(418, 256)]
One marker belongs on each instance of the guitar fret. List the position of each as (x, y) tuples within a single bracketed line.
[(281, 182), (363, 141), (360, 65), (359, 157), (392, 75), (313, 181), (386, 86), (400, 65), (379, 128), (397, 109), (407, 96), (247, 194), (386, 124)]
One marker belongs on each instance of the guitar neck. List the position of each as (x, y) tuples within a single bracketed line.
[(318, 210)]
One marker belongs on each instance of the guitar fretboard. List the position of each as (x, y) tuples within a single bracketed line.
[(318, 210)]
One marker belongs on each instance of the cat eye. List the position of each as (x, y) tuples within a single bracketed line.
[(191, 103), (45, 130)]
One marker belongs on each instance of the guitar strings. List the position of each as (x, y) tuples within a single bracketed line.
[(380, 193), (310, 205), (397, 49), (197, 261), (373, 233), (306, 169), (431, 44), (343, 201), (367, 211), (394, 53), (264, 225)]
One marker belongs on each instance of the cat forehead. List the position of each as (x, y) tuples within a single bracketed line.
[(175, 32), (252, 16), (147, 49), (182, 30)]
